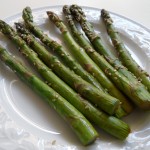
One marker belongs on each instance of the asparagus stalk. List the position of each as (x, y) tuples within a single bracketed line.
[(59, 49), (104, 101), (83, 58), (28, 18), (123, 53), (25, 34), (118, 128), (135, 90), (78, 36), (95, 39), (82, 128), (27, 15)]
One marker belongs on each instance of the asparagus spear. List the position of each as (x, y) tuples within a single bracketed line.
[(82, 128), (123, 53), (104, 101), (25, 34), (118, 128), (95, 39), (27, 15), (83, 58), (135, 87), (78, 36), (54, 45), (60, 50)]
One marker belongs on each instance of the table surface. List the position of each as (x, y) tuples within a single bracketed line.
[(138, 11)]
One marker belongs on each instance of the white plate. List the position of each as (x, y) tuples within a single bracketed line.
[(28, 123)]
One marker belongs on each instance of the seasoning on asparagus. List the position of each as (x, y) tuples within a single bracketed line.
[(118, 128), (59, 50), (95, 39), (78, 36), (28, 37), (123, 53), (104, 101), (135, 90), (83, 58), (80, 125)]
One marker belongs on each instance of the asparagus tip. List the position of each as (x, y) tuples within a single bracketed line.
[(27, 14), (52, 16), (19, 26), (75, 7), (77, 13), (1, 22), (49, 12), (4, 28), (66, 9), (104, 12)]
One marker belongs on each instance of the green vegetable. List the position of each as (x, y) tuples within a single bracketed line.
[(123, 53), (83, 58), (135, 90), (59, 50), (25, 34), (78, 36), (105, 102), (118, 128), (95, 39), (82, 128)]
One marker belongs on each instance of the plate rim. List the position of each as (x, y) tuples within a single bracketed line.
[(84, 7)]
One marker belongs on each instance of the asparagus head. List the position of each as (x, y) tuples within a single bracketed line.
[(118, 128)]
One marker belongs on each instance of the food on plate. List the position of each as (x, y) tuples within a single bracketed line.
[(80, 125), (119, 75), (89, 86), (79, 37), (123, 53)]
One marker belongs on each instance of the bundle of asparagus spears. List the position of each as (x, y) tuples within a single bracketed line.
[(91, 86)]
